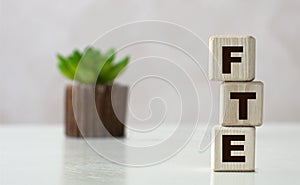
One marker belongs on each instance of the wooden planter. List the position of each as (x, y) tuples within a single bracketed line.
[(101, 115)]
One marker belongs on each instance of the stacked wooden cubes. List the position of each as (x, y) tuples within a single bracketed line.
[(232, 60)]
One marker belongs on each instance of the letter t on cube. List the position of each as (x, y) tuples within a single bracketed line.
[(241, 104)]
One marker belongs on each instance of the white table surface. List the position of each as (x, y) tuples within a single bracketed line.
[(41, 155)]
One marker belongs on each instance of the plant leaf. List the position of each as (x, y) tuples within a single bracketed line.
[(115, 70), (110, 55), (92, 59), (63, 67), (94, 66), (85, 75), (74, 59)]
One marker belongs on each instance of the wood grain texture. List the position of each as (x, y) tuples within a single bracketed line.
[(114, 126), (95, 116), (229, 108), (99, 128), (248, 151), (71, 128), (241, 71)]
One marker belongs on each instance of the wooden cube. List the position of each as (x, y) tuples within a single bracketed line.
[(241, 104), (232, 58), (233, 149)]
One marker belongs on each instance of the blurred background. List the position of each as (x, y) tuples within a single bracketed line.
[(34, 31)]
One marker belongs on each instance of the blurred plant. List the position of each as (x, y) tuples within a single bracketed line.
[(93, 66)]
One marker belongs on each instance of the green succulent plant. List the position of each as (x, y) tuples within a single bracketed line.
[(93, 66)]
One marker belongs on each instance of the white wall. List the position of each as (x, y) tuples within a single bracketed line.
[(33, 31)]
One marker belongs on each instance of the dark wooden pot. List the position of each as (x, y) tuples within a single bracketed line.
[(100, 115)]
